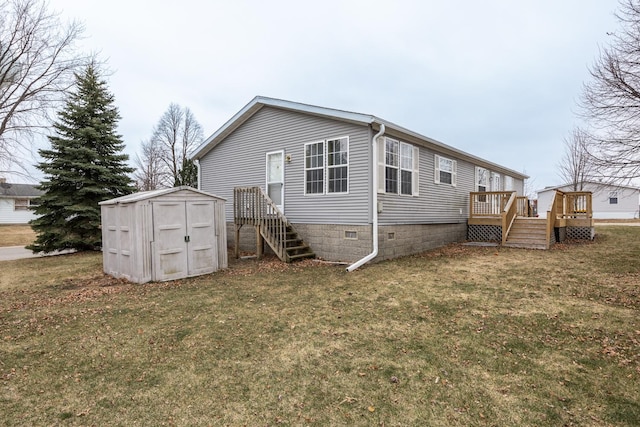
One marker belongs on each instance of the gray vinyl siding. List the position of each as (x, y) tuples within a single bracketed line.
[(240, 159), (436, 202)]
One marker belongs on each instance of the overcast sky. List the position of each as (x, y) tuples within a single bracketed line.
[(496, 78)]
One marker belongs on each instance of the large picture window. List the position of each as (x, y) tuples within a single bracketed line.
[(326, 166), (399, 171), (445, 171)]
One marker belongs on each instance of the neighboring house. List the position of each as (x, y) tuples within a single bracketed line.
[(15, 201), (334, 173), (609, 201)]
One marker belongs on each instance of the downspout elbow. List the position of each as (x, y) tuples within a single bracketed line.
[(374, 202)]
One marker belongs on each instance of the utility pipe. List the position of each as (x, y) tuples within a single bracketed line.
[(374, 202)]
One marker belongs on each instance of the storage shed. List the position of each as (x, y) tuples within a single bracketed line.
[(163, 234)]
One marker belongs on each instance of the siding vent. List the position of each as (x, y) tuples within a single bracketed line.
[(352, 235), (391, 236)]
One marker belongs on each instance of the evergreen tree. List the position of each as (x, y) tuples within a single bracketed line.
[(187, 175), (84, 166)]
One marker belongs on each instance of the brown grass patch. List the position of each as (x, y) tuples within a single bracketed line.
[(455, 336), (16, 235)]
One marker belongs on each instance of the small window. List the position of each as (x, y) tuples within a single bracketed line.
[(351, 235), (21, 204), (613, 197), (445, 170)]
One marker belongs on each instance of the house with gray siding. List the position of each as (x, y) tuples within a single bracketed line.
[(353, 185), (609, 201), (16, 201)]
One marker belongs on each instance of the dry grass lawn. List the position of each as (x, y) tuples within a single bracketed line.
[(16, 235), (462, 336)]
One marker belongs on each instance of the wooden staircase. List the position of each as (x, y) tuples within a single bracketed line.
[(253, 207), (291, 248), (528, 233)]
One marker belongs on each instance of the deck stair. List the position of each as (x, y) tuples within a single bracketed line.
[(528, 233), (291, 248), (253, 207)]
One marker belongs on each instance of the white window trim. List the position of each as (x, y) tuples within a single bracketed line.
[(454, 171), (305, 168), (495, 176), (486, 179), (382, 165), (325, 166)]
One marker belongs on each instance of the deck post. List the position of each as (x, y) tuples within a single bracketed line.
[(259, 242), (237, 248)]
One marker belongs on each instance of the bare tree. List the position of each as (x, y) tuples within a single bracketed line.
[(151, 170), (37, 62), (577, 167), (178, 132), (611, 100)]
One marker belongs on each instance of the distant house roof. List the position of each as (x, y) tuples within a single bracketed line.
[(363, 119), (590, 183), (12, 191)]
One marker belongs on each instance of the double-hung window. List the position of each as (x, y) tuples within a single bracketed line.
[(398, 165), (338, 165), (481, 179), (314, 168), (613, 197), (445, 170), (20, 204), (326, 166)]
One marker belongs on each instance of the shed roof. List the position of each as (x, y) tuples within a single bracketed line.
[(260, 102), (12, 191), (144, 195)]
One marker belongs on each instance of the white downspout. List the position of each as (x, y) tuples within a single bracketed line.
[(197, 163), (374, 202)]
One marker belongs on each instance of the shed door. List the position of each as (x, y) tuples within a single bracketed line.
[(185, 239), (170, 250), (201, 240)]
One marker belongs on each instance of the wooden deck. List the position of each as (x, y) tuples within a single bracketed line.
[(513, 216)]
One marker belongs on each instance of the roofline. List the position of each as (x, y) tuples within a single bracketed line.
[(600, 184), (363, 119)]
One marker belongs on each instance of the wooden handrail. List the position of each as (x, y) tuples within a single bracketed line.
[(508, 216), (487, 204), (253, 206)]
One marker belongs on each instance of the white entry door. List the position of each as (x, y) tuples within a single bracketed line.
[(275, 178)]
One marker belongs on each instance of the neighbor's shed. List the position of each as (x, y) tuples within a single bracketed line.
[(163, 234)]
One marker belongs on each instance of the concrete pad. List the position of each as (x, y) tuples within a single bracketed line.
[(10, 253)]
